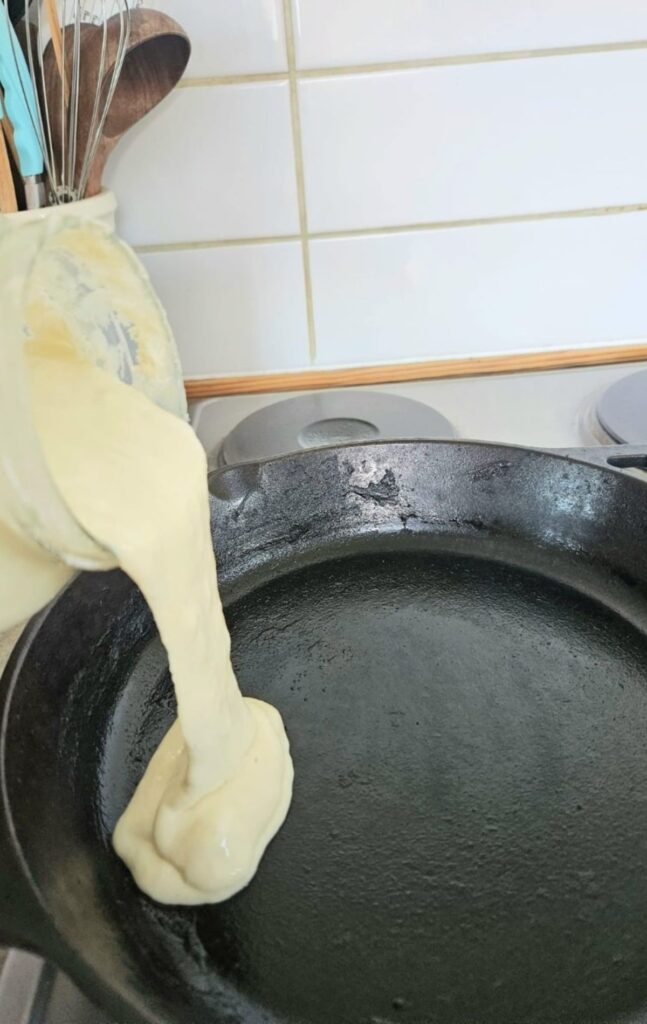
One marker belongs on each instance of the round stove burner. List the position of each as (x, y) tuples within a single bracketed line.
[(330, 417), (622, 410)]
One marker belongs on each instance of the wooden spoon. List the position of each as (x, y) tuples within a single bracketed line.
[(157, 54)]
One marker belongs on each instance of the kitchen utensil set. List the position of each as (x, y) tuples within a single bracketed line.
[(76, 74)]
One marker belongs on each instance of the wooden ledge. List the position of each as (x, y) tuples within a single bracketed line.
[(398, 373)]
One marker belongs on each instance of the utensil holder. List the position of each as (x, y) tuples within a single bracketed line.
[(101, 207)]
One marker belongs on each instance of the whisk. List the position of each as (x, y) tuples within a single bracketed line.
[(75, 51)]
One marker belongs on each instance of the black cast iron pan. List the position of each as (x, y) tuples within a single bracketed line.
[(456, 636)]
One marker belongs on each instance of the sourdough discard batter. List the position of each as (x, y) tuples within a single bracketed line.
[(219, 785)]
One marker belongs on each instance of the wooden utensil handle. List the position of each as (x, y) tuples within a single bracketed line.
[(57, 42), (8, 202)]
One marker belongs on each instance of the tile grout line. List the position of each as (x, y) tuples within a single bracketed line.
[(377, 67), (300, 176), (190, 82), (452, 60), (215, 243), (481, 222), (395, 229)]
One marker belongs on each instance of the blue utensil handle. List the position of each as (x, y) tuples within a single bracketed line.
[(19, 99)]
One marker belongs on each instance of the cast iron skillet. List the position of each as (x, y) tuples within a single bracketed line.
[(456, 636)]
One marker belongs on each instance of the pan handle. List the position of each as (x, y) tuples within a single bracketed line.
[(614, 456), (23, 922)]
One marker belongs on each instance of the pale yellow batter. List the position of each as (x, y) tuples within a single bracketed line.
[(219, 786)]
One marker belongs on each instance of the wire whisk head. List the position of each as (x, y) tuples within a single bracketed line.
[(75, 50)]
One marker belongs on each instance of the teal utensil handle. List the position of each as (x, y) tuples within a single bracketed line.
[(19, 99)]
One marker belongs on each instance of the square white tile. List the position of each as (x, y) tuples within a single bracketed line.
[(234, 309), (331, 33), (230, 37), (211, 163), (480, 290), (472, 141)]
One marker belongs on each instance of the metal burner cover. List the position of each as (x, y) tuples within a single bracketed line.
[(622, 410), (329, 417)]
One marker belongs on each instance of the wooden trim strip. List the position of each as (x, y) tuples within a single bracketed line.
[(399, 373)]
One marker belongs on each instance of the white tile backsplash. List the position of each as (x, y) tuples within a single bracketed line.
[(209, 163), (481, 140), (373, 153), (231, 37), (234, 309), (348, 32), (466, 291)]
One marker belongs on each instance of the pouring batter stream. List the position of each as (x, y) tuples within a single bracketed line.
[(219, 786)]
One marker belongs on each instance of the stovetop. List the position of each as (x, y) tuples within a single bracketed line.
[(551, 410)]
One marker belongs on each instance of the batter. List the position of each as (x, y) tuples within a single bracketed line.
[(219, 786)]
